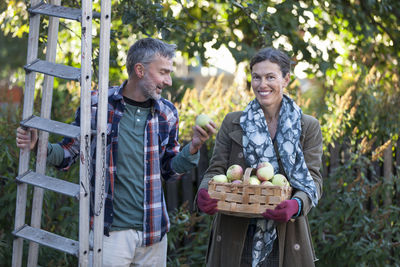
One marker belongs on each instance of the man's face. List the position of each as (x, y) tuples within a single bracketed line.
[(157, 76)]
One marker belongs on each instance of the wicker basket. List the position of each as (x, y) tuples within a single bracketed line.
[(247, 200)]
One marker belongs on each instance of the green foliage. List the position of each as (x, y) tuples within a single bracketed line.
[(188, 237), (351, 48), (213, 100), (8, 170), (352, 225), (60, 213), (365, 109)]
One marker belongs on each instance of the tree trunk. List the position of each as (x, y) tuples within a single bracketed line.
[(388, 174)]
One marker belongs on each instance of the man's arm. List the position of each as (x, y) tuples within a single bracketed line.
[(61, 155)]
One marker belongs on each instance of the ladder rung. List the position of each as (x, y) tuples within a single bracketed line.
[(54, 69), (51, 126), (50, 183), (48, 239), (59, 11)]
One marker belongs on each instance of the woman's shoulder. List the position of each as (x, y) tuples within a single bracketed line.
[(233, 116), (231, 120), (309, 120), (309, 124)]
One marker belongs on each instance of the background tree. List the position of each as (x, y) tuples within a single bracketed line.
[(349, 52)]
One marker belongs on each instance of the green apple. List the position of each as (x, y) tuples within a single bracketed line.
[(220, 178), (253, 180), (280, 180), (202, 120), (265, 171)]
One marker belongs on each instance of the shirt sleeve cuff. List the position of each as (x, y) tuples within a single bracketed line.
[(185, 161), (300, 207), (192, 158)]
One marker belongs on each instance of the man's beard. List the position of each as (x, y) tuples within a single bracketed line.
[(148, 88)]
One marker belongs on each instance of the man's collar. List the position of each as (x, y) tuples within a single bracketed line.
[(118, 96)]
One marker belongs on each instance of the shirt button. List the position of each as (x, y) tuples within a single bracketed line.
[(296, 247), (138, 119), (138, 110), (240, 155), (219, 238)]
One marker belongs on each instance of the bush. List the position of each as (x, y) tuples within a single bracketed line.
[(352, 225), (188, 237), (60, 213)]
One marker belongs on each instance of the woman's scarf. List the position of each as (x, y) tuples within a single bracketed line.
[(258, 147)]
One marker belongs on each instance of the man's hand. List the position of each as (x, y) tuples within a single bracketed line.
[(283, 212), (206, 203), (26, 138), (201, 135)]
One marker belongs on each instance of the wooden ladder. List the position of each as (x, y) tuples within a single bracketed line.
[(45, 125)]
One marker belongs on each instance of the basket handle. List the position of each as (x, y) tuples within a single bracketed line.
[(246, 175)]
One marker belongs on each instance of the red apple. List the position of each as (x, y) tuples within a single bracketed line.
[(268, 183), (234, 172)]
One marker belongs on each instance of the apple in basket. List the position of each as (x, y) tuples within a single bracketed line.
[(234, 172), (265, 171), (220, 178), (267, 183), (280, 180), (253, 180)]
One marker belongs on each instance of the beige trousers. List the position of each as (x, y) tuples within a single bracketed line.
[(124, 249)]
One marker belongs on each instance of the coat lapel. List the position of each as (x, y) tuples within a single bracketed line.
[(237, 134)]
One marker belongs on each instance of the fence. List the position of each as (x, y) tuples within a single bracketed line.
[(185, 187)]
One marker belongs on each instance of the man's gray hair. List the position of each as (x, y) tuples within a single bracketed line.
[(144, 50)]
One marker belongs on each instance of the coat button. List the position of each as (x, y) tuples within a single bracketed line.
[(296, 247), (240, 155), (218, 238)]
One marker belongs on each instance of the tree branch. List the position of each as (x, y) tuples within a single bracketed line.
[(366, 11), (208, 22), (260, 28)]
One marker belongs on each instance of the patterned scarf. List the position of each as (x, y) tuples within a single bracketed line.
[(258, 147)]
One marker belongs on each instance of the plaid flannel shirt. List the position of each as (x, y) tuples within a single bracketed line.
[(161, 145)]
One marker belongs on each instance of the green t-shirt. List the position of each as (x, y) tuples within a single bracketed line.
[(128, 186), (129, 183)]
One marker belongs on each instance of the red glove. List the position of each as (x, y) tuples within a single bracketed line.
[(205, 203), (283, 212)]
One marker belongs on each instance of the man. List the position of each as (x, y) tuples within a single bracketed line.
[(140, 122)]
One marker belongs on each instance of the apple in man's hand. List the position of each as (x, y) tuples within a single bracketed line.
[(202, 120)]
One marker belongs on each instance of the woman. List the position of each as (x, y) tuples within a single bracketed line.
[(271, 128)]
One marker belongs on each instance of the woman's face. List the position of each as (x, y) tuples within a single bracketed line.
[(268, 83)]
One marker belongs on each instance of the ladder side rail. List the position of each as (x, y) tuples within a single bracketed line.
[(84, 171), (20, 209), (41, 157), (104, 54)]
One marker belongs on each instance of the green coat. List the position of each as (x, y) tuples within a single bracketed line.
[(229, 232)]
